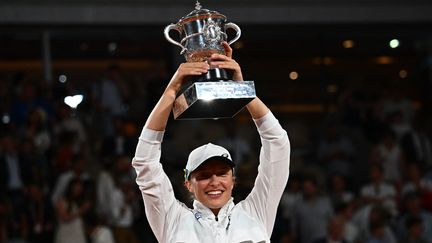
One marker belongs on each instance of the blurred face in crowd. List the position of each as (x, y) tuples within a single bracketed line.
[(309, 188), (348, 212), (8, 144), (35, 193), (336, 229), (413, 205), (338, 183), (416, 231), (79, 166), (375, 174), (413, 172), (77, 189), (379, 232), (212, 184)]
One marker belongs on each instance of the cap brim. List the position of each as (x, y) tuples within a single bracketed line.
[(220, 158)]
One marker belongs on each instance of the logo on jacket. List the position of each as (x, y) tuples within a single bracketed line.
[(198, 215)]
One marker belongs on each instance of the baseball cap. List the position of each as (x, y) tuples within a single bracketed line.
[(204, 153)]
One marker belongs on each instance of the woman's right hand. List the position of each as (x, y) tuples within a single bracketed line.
[(185, 71)]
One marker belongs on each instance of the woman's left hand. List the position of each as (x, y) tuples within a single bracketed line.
[(226, 62)]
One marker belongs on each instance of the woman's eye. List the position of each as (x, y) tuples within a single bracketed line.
[(202, 177)]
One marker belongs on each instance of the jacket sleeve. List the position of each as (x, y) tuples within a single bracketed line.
[(273, 172), (155, 186)]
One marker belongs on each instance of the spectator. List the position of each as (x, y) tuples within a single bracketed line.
[(312, 212), (416, 182), (96, 231), (70, 209), (335, 232), (76, 172), (68, 123), (388, 154), (372, 222), (377, 229), (109, 97), (378, 191), (417, 147), (105, 187), (290, 198), (13, 173), (412, 209), (394, 102), (123, 140), (344, 211), (336, 151), (238, 146), (40, 218), (107, 184), (122, 213), (28, 100), (415, 230), (14, 177), (338, 190)]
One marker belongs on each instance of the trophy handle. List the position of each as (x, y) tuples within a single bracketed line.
[(168, 37), (236, 28)]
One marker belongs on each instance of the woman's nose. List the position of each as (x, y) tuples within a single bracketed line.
[(214, 179)]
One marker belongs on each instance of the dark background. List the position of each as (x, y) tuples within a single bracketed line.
[(358, 93)]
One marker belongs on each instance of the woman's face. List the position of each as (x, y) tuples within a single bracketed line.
[(212, 184)]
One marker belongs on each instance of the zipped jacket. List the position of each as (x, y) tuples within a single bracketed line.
[(251, 220)]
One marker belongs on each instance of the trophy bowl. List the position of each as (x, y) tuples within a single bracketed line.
[(211, 95)]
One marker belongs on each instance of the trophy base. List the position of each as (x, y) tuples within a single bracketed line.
[(213, 74), (213, 100)]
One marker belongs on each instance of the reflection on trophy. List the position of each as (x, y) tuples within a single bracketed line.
[(211, 95)]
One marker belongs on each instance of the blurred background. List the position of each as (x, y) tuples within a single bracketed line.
[(351, 82)]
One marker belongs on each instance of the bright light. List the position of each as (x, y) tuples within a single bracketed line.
[(112, 47), (62, 78), (293, 75), (403, 74), (394, 43), (348, 44), (6, 119), (208, 99), (73, 101)]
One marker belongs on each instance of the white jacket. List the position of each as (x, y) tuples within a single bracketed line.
[(251, 220)]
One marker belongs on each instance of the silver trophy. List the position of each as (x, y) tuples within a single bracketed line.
[(211, 95)]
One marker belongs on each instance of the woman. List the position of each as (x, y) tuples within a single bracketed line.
[(70, 210), (209, 174)]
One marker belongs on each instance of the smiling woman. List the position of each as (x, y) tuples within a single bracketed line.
[(209, 175), (212, 182)]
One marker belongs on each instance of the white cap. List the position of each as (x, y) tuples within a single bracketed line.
[(204, 153)]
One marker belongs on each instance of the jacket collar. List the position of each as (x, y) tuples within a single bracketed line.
[(202, 211)]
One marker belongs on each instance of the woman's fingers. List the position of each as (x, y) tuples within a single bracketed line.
[(227, 65), (215, 57), (228, 49), (193, 68), (184, 71)]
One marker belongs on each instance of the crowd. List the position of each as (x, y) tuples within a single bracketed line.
[(362, 175)]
